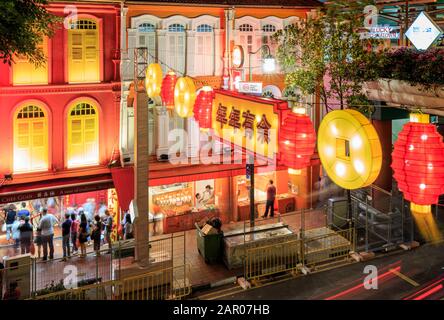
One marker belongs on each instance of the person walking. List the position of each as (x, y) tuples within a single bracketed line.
[(83, 235), (10, 218), (96, 234), (108, 229), (66, 237), (128, 228), (26, 236), (47, 223), (23, 212), (271, 196), (74, 233)]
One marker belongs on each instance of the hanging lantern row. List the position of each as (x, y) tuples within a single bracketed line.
[(203, 107), (418, 163), (180, 94), (297, 140)]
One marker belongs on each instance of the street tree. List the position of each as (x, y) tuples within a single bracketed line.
[(326, 52), (23, 26)]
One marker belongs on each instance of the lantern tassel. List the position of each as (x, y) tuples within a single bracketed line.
[(427, 227)]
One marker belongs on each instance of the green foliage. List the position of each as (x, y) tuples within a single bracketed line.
[(325, 52), (416, 67), (23, 26)]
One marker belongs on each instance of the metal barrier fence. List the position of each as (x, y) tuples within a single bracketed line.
[(268, 260), (329, 247), (36, 278), (318, 248), (157, 285)]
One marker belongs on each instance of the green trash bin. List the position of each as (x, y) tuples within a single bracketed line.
[(209, 246)]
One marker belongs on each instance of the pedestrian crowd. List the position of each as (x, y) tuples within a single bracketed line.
[(79, 229)]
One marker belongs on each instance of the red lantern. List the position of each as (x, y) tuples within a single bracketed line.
[(203, 107), (418, 163), (167, 90), (297, 141)]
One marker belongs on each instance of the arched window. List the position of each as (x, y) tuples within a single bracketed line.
[(204, 58), (147, 39), (204, 28), (267, 33), (175, 49), (83, 135), (269, 28), (175, 27), (246, 27), (83, 51), (30, 140)]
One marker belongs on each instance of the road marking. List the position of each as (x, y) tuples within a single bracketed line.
[(405, 278)]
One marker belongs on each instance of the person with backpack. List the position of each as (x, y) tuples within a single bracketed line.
[(96, 234), (26, 235)]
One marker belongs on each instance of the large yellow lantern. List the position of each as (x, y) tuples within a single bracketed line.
[(184, 97), (153, 80), (349, 149)]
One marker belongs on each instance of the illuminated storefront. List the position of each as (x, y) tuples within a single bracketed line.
[(61, 120)]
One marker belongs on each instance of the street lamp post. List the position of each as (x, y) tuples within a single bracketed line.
[(269, 64)]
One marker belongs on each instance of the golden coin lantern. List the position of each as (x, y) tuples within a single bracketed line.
[(184, 97), (349, 149), (153, 80)]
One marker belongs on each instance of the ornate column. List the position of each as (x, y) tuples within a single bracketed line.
[(190, 52), (163, 122), (193, 141)]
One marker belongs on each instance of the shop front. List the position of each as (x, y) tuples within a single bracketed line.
[(91, 195)]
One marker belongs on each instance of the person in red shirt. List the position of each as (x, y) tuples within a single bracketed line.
[(271, 195)]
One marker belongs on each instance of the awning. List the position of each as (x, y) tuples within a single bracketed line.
[(124, 183), (54, 188)]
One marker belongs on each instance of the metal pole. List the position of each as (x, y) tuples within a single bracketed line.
[(252, 205)]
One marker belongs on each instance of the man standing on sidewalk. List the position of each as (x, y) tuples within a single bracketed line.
[(66, 236), (271, 196), (47, 223)]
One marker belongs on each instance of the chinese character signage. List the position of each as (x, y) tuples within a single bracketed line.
[(249, 122)]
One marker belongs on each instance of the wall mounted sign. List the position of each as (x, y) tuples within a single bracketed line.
[(423, 32), (349, 149), (382, 32), (249, 122), (237, 57), (250, 87)]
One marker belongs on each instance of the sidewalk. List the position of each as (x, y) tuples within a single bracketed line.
[(202, 274)]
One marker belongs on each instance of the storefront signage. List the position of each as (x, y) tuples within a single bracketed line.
[(250, 87), (382, 32), (250, 123), (423, 32), (349, 149), (54, 192)]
